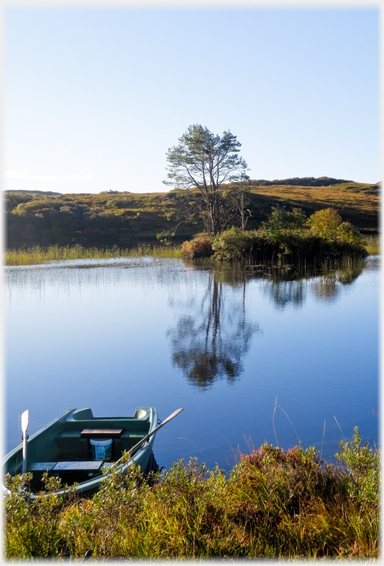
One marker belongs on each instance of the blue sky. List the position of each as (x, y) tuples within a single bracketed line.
[(95, 96)]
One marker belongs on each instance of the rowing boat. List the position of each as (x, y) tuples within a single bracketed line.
[(80, 448)]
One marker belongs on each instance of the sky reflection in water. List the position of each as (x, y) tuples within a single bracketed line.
[(223, 344)]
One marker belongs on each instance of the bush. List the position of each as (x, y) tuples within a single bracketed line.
[(274, 503), (199, 246), (285, 480), (288, 238), (32, 528), (283, 220), (348, 234), (233, 244), (363, 467), (324, 223)]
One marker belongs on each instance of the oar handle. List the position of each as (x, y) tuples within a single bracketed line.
[(134, 449), (24, 465), (24, 428)]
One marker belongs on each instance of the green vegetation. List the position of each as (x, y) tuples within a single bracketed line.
[(199, 247), (129, 219), (124, 220), (273, 504), (372, 245), (205, 161), (286, 238), (37, 254)]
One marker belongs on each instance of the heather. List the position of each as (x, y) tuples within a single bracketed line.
[(273, 503)]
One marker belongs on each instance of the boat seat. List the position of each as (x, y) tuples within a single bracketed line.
[(81, 465), (67, 466), (41, 466), (101, 433)]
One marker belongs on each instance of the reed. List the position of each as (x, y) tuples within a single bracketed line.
[(372, 245), (38, 255), (273, 504)]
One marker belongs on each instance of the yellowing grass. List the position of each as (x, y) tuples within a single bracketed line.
[(37, 254), (372, 244)]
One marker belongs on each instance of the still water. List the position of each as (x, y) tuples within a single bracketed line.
[(250, 358)]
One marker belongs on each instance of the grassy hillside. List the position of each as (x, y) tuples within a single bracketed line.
[(130, 219), (357, 203)]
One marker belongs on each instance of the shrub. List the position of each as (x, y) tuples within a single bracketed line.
[(283, 220), (363, 467), (32, 528), (199, 246), (288, 237), (233, 244), (286, 479), (348, 234), (274, 503), (30, 208), (286, 231), (324, 223)]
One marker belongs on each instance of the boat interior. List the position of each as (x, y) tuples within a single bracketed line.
[(64, 448)]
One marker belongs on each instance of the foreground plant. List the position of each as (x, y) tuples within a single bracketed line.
[(274, 503), (363, 466), (32, 529)]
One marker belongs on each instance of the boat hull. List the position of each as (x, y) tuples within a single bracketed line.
[(61, 442)]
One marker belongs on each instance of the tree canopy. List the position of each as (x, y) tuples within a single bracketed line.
[(206, 161)]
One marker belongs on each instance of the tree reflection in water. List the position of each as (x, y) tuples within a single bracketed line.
[(290, 288), (284, 293), (327, 287), (211, 344)]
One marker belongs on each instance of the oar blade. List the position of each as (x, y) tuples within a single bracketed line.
[(172, 416), (24, 421)]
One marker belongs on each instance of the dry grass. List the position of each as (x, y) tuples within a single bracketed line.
[(38, 255), (372, 245), (359, 208)]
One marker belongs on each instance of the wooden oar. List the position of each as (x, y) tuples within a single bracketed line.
[(24, 428), (135, 448)]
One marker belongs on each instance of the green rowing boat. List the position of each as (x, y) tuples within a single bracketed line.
[(80, 448)]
